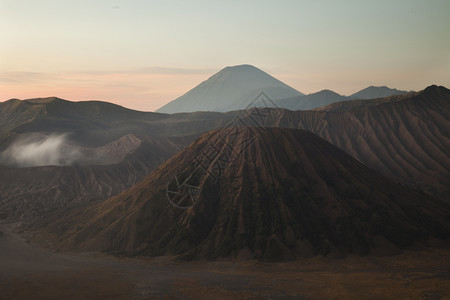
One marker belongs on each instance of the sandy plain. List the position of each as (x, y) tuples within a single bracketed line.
[(29, 272)]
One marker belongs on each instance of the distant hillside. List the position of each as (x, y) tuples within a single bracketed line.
[(232, 88), (96, 123), (103, 122), (310, 101), (327, 97), (361, 104), (255, 193), (373, 92)]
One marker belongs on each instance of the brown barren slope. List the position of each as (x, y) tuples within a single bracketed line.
[(264, 193), (407, 140)]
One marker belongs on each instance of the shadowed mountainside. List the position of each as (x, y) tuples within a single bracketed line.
[(250, 192), (405, 138), (115, 147), (91, 123), (96, 123)]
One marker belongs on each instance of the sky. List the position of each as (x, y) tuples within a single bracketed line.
[(143, 54)]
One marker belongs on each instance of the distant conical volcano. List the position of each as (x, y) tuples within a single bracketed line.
[(252, 192), (232, 88)]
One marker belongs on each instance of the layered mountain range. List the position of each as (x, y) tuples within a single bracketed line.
[(82, 174), (253, 192), (241, 87), (403, 137)]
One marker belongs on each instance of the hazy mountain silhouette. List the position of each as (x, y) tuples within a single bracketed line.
[(310, 101), (237, 87), (250, 192), (348, 105), (373, 92), (232, 88), (328, 97)]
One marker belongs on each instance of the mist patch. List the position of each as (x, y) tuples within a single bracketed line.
[(40, 150)]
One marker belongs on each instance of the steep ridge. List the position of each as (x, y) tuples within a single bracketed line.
[(405, 138), (407, 141), (248, 192), (232, 88)]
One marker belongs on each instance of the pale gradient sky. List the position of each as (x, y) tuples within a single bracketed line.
[(143, 54)]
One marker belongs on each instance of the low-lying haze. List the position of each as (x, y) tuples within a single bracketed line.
[(33, 151)]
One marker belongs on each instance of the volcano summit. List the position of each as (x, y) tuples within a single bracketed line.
[(232, 88)]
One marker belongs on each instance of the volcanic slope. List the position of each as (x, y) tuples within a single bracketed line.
[(232, 88), (406, 140), (404, 137), (103, 149), (254, 193)]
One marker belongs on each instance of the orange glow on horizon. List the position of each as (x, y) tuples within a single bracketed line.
[(140, 91)]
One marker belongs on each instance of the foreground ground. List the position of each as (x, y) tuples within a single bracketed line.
[(27, 272)]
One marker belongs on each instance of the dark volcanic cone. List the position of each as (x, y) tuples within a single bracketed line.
[(256, 192)]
